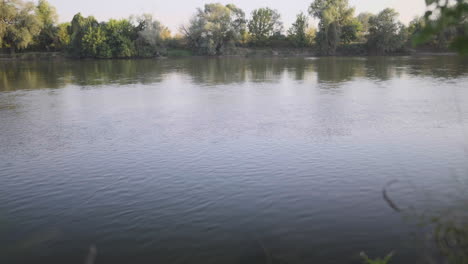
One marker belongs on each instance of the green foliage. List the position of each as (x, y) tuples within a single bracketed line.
[(120, 36), (349, 32), (62, 37), (265, 23), (47, 14), (448, 21), (451, 239), (80, 29), (386, 33), (332, 11), (333, 15), (363, 19), (116, 38), (151, 37), (94, 43), (298, 32), (311, 34), (416, 26), (442, 40), (385, 260), (19, 24), (214, 28), (46, 38)]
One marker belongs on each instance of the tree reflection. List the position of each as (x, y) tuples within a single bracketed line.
[(16, 75), (338, 69), (332, 71)]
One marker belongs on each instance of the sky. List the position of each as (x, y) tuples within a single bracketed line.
[(174, 13)]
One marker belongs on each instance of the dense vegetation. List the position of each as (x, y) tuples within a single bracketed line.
[(218, 29), (447, 22)]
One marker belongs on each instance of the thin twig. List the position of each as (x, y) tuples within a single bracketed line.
[(387, 199)]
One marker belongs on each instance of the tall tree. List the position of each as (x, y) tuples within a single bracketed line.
[(47, 14), (350, 31), (87, 39), (386, 33), (215, 27), (264, 24), (95, 43), (62, 37), (333, 15), (298, 31), (120, 37), (363, 19), (152, 36), (19, 24)]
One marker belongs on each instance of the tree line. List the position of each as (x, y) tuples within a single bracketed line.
[(217, 29)]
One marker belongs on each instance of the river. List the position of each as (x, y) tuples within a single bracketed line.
[(228, 160)]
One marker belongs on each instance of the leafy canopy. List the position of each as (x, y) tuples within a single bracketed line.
[(298, 32), (264, 24), (214, 27), (386, 33), (47, 14), (152, 36), (336, 23), (444, 16), (19, 24)]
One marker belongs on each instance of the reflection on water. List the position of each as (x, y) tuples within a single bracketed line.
[(227, 160), (19, 75)]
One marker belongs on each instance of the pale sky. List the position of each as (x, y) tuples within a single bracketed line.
[(174, 13)]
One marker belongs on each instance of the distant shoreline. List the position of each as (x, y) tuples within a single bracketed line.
[(241, 52)]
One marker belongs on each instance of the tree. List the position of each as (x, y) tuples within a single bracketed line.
[(448, 20), (363, 18), (416, 26), (311, 34), (215, 27), (94, 43), (87, 38), (298, 32), (120, 37), (441, 40), (264, 24), (19, 24), (138, 36), (62, 37), (47, 14), (152, 36), (386, 33), (333, 15), (350, 31)]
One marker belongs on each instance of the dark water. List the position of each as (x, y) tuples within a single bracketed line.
[(227, 160)]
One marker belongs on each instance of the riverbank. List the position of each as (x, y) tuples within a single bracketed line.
[(342, 51), (31, 56)]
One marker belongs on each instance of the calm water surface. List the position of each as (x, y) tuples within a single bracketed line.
[(219, 160)]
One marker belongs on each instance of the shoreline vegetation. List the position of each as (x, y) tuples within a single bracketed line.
[(30, 30), (244, 53)]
